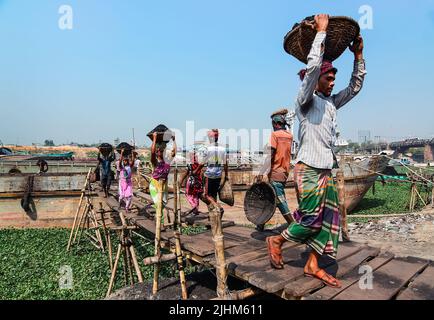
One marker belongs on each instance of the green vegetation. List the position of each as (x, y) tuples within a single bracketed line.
[(31, 262), (92, 154), (393, 197)]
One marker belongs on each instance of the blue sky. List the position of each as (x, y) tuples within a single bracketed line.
[(137, 63)]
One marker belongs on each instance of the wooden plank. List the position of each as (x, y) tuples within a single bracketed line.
[(272, 281), (387, 281), (248, 251), (305, 285), (327, 293), (251, 270), (422, 288), (235, 252), (203, 245)]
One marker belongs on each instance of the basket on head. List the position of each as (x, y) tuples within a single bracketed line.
[(127, 148), (105, 149), (164, 134), (260, 203), (341, 32), (226, 193)]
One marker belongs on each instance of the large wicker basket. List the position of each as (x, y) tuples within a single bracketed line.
[(341, 32), (128, 149), (164, 134), (105, 149), (226, 193), (260, 203)]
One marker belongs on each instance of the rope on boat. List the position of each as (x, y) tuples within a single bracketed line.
[(390, 177)]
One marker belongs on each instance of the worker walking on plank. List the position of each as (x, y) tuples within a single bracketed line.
[(278, 167), (125, 165), (215, 164), (105, 162), (317, 218), (161, 168)]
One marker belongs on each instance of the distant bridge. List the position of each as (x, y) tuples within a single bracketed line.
[(403, 146)]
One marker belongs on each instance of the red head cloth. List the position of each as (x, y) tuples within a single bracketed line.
[(214, 133), (325, 67)]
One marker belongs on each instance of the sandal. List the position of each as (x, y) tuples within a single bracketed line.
[(275, 255), (325, 278)]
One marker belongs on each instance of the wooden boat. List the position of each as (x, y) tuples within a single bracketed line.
[(25, 165), (39, 201)]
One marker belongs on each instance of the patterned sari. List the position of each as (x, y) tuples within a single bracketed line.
[(317, 218)]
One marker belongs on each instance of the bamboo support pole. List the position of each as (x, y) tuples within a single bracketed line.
[(136, 264), (78, 211), (342, 207), (113, 275), (106, 235), (218, 238), (129, 264), (420, 197), (158, 259), (432, 198), (177, 229), (157, 251)]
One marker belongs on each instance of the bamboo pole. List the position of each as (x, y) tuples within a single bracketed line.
[(113, 275), (158, 259), (342, 207), (78, 211), (136, 263), (432, 197), (178, 239), (218, 239), (420, 197), (157, 251), (106, 235)]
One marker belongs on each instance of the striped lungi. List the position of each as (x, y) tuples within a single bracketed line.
[(317, 218)]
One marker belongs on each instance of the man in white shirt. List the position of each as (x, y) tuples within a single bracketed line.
[(215, 159)]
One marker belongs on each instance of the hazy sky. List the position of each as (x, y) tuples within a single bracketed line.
[(137, 63)]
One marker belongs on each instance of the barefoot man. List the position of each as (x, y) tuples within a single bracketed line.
[(317, 218)]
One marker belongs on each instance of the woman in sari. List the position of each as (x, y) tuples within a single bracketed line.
[(193, 186), (161, 170), (124, 169)]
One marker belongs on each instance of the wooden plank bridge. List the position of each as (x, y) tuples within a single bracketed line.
[(247, 259)]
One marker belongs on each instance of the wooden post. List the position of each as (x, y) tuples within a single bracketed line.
[(340, 179), (113, 275), (78, 211), (432, 197), (157, 251), (221, 268), (136, 264), (177, 228), (106, 236)]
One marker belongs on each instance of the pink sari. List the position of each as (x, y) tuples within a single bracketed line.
[(125, 185)]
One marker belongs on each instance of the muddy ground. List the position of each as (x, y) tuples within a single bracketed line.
[(408, 235)]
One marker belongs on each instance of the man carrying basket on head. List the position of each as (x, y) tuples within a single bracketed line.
[(317, 218)]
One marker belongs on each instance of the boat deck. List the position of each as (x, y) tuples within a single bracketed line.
[(247, 259)]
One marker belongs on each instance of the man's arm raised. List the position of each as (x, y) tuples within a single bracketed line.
[(314, 62), (357, 77)]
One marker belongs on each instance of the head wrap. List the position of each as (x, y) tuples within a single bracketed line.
[(279, 118), (214, 133), (326, 67)]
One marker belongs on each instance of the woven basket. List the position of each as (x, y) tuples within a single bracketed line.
[(260, 203), (105, 149), (226, 193), (164, 134), (127, 148), (341, 32)]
